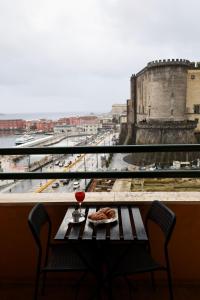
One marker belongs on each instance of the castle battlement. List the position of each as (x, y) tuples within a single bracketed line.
[(171, 62)]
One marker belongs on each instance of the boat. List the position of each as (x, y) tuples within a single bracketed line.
[(24, 139)]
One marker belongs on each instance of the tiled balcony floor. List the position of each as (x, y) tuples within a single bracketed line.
[(120, 291)]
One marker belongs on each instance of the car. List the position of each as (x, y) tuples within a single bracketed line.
[(152, 168), (57, 163), (158, 167), (124, 169), (166, 167), (142, 168), (62, 180), (194, 167), (61, 164), (65, 181), (55, 185), (187, 168), (172, 168), (67, 164), (76, 185)]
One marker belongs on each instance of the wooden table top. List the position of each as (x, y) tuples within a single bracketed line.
[(128, 227)]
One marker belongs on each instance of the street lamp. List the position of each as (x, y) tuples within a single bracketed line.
[(28, 162), (97, 161), (84, 169)]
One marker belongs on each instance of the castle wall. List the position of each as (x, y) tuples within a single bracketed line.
[(165, 136)]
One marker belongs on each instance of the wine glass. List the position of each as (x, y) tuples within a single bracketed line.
[(80, 196)]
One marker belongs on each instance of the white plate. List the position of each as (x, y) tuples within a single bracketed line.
[(81, 219), (106, 221)]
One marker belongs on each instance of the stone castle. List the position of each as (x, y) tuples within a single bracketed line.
[(157, 112)]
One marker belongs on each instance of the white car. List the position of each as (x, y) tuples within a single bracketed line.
[(152, 168), (76, 184)]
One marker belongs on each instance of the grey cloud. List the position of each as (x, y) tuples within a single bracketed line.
[(71, 55)]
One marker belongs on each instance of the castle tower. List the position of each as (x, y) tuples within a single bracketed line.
[(159, 94)]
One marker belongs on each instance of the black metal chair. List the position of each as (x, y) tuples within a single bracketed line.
[(138, 258), (57, 257)]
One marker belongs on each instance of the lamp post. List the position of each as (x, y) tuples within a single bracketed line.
[(97, 161), (28, 162), (84, 169)]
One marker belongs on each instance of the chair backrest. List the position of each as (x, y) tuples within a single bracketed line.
[(38, 217), (163, 217)]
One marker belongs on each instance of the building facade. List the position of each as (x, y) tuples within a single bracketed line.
[(17, 124), (118, 109), (90, 129), (193, 96), (67, 129)]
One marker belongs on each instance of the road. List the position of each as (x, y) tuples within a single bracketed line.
[(87, 162)]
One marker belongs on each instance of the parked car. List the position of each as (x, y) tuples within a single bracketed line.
[(55, 185), (61, 164), (57, 163)]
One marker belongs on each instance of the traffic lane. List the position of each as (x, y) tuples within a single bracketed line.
[(83, 164), (63, 188)]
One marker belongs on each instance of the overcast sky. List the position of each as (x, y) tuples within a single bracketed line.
[(78, 55)]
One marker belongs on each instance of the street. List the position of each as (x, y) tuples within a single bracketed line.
[(81, 162)]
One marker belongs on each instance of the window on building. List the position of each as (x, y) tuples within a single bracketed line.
[(192, 76), (197, 108)]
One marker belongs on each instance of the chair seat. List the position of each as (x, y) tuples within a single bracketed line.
[(136, 260), (64, 258)]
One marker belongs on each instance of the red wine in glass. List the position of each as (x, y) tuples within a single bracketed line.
[(80, 196)]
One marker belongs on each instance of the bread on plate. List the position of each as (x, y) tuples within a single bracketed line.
[(103, 214)]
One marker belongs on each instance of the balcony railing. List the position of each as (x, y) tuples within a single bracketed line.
[(105, 174)]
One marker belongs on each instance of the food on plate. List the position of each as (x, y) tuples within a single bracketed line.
[(98, 216), (102, 214), (109, 212)]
